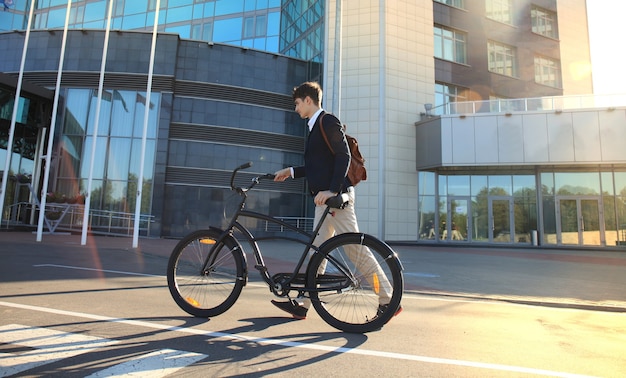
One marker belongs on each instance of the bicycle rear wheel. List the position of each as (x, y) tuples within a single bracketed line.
[(205, 281), (358, 282)]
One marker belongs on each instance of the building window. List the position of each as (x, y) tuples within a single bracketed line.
[(450, 44), (255, 26), (502, 59), (152, 4), (544, 22), (547, 71), (500, 10), (447, 97), (118, 8), (452, 3), (203, 31)]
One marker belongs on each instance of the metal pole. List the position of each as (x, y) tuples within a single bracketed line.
[(16, 102), (105, 49), (55, 108), (145, 126)]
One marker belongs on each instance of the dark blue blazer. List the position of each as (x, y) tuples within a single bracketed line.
[(323, 169)]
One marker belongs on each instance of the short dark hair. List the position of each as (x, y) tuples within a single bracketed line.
[(309, 88)]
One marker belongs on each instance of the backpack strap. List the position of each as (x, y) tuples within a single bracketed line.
[(324, 133)]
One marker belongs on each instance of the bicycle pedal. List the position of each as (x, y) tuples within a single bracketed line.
[(261, 268)]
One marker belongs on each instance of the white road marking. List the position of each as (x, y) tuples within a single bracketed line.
[(48, 346), (293, 344), (419, 274), (257, 282), (158, 363), (95, 270)]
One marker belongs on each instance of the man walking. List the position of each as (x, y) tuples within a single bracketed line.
[(325, 171)]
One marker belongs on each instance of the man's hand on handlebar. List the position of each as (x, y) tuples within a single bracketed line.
[(323, 196), (283, 174)]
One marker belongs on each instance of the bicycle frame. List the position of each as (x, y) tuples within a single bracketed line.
[(234, 224)]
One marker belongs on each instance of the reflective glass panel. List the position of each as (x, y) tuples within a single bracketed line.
[(76, 110), (136, 21), (500, 185), (223, 7), (523, 185), (123, 113), (607, 182), (620, 183), (479, 185), (577, 183), (458, 185), (549, 220), (135, 160), (443, 185), (610, 221), (118, 159), (547, 183), (590, 222), (427, 210), (228, 30), (178, 14), (480, 217), (135, 6), (426, 183), (95, 11), (56, 18), (105, 113), (140, 102), (100, 158)]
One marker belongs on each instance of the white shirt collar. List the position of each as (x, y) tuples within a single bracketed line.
[(313, 119)]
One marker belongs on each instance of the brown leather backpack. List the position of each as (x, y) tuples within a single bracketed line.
[(356, 171)]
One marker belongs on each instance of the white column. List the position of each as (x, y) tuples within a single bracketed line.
[(18, 91), (55, 109), (105, 49), (145, 127)]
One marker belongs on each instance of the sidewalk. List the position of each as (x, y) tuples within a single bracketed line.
[(549, 277)]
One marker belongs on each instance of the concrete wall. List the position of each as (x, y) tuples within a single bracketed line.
[(572, 138), (387, 71)]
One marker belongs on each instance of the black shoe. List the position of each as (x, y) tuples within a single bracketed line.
[(383, 308), (292, 307)]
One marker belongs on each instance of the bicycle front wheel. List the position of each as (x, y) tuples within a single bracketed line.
[(205, 278), (357, 281)]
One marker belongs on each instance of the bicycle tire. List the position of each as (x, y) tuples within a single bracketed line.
[(206, 292), (348, 291)]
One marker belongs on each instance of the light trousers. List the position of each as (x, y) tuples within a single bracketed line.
[(341, 221)]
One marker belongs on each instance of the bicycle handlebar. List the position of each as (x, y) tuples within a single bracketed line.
[(338, 202)]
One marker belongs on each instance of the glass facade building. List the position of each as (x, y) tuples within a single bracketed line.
[(483, 166), (220, 96)]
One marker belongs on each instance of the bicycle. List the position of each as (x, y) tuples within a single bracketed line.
[(207, 269)]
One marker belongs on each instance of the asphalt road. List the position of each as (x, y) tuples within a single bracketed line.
[(103, 309)]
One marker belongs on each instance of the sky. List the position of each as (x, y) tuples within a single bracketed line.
[(608, 53)]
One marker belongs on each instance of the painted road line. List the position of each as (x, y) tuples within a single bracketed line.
[(295, 344), (95, 270), (40, 346), (46, 345), (156, 364), (419, 274)]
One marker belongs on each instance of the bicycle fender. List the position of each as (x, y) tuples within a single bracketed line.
[(239, 250)]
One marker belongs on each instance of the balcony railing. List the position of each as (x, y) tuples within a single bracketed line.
[(70, 218), (556, 103)]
